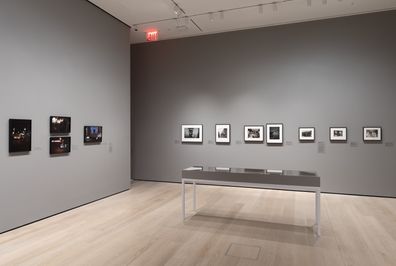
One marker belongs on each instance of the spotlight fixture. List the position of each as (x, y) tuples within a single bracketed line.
[(220, 14), (260, 9), (177, 11)]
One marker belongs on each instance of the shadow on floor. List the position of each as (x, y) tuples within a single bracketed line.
[(252, 228)]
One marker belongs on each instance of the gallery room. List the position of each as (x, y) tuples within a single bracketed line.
[(211, 132)]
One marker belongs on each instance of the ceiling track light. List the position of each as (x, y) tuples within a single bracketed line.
[(180, 13), (176, 11)]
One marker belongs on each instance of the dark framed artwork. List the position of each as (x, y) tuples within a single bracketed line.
[(60, 124), (372, 134), (92, 134), (254, 133), (223, 133), (338, 134), (20, 135), (60, 145), (274, 133), (306, 134), (192, 133)]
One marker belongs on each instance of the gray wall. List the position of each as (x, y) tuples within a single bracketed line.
[(336, 72), (62, 58)]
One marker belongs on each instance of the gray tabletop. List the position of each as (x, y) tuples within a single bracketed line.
[(259, 176)]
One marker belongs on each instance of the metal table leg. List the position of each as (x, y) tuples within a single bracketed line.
[(317, 211), (183, 200), (194, 196)]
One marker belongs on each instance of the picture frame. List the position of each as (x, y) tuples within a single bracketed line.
[(60, 124), (372, 134), (254, 133), (93, 134), (306, 134), (192, 133), (338, 134), (223, 133), (274, 133), (60, 145), (20, 135)]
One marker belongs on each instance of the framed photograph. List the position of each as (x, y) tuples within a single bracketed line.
[(20, 135), (254, 133), (92, 134), (60, 145), (192, 133), (223, 133), (306, 134), (338, 134), (60, 124), (372, 134), (274, 133)]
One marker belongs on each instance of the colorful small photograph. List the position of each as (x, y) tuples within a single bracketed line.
[(20, 135), (92, 134), (60, 124), (60, 145)]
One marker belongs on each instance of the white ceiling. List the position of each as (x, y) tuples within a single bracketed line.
[(145, 14)]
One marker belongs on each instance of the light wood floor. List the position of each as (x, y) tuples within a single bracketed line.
[(234, 226)]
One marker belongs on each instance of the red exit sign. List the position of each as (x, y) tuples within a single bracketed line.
[(152, 36)]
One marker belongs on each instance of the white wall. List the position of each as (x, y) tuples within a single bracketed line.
[(62, 58)]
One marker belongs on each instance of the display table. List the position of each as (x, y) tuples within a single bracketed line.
[(255, 178)]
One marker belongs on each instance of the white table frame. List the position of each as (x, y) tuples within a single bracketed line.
[(194, 182)]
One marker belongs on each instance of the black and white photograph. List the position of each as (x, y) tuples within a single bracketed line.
[(192, 133), (223, 133), (254, 133), (306, 134), (20, 135), (338, 134), (372, 134), (60, 124), (274, 133), (60, 145)]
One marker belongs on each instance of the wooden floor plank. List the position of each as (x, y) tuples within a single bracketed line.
[(143, 226)]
